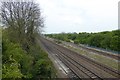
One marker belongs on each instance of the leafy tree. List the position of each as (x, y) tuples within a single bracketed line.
[(105, 43), (22, 19), (114, 43), (95, 40), (21, 51), (10, 67)]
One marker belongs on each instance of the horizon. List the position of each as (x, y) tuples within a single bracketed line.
[(81, 32)]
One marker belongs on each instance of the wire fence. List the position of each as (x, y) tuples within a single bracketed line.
[(102, 49)]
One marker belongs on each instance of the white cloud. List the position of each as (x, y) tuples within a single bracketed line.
[(79, 15)]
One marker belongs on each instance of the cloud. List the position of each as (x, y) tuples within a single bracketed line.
[(79, 15)]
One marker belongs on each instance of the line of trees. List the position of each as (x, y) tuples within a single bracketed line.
[(22, 56), (108, 39)]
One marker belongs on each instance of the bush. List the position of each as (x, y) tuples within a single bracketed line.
[(76, 41), (10, 67)]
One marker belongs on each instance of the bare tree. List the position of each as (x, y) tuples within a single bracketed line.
[(24, 18)]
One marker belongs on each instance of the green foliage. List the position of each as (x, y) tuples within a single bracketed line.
[(115, 43), (43, 68), (106, 42), (11, 69), (58, 41), (22, 56), (76, 41), (106, 39), (10, 66), (17, 63), (95, 40)]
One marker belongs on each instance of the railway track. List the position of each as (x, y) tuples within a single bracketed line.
[(72, 74), (116, 56), (99, 65), (85, 72), (81, 66)]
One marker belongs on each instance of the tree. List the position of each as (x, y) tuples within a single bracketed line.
[(24, 18), (105, 43), (95, 40), (114, 43), (20, 51)]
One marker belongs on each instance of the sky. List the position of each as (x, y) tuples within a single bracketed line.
[(79, 15)]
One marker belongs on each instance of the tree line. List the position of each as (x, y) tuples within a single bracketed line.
[(109, 40), (22, 56)]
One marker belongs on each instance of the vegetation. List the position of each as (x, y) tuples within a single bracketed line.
[(22, 56), (107, 39)]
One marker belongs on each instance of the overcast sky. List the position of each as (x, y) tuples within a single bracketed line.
[(79, 15)]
